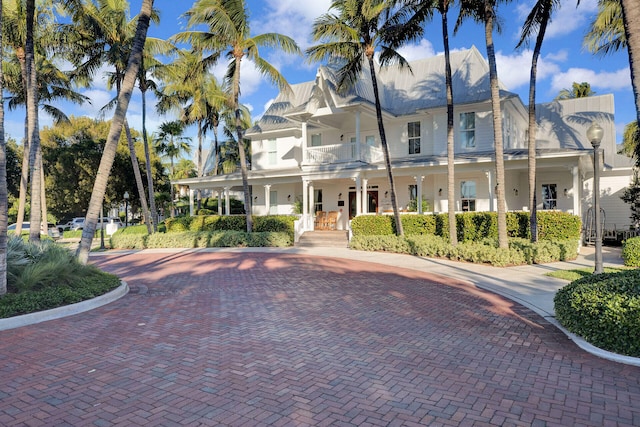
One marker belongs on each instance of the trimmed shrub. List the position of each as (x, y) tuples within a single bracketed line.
[(275, 224), (556, 225), (388, 243), (128, 241), (177, 224), (474, 226), (186, 239), (373, 225), (418, 224), (604, 309), (631, 252)]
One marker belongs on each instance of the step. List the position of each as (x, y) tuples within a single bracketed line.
[(337, 239)]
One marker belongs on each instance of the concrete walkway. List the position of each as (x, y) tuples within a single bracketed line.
[(319, 336)]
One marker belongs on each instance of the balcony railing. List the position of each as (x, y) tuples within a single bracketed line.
[(342, 153)]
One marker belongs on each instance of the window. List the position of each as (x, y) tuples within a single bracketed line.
[(413, 133), (273, 202), (316, 140), (317, 197), (468, 195), (370, 140), (413, 192), (549, 196), (468, 129), (272, 152)]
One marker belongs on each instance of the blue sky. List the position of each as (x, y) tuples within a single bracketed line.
[(563, 60)]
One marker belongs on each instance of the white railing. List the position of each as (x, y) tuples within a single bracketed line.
[(341, 153)]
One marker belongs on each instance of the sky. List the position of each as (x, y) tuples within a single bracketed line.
[(563, 58)]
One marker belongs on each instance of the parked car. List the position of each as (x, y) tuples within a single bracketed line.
[(52, 230), (73, 225)]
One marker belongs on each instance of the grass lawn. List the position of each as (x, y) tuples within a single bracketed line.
[(575, 274)]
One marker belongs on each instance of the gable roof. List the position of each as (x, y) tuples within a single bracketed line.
[(402, 91)]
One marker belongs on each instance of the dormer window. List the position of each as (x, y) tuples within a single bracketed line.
[(468, 130), (413, 133)]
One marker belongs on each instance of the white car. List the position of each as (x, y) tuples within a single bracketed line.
[(73, 225), (52, 230)]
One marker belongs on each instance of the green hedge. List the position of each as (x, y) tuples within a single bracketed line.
[(473, 226), (631, 252), (604, 309), (270, 223), (201, 239), (520, 251)]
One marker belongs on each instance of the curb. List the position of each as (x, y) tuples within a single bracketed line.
[(64, 311)]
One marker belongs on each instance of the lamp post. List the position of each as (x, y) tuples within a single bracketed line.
[(126, 208), (594, 134)]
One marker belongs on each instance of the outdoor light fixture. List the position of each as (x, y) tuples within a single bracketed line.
[(289, 197), (594, 135), (440, 192), (126, 208), (515, 191), (339, 196), (566, 192)]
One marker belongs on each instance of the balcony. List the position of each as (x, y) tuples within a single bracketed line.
[(342, 153)]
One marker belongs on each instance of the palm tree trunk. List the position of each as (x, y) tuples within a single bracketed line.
[(43, 196), (32, 119), (115, 130), (4, 196), (200, 165), (631, 17), (385, 148), (147, 157), (241, 147), (533, 208), (451, 191), (172, 193), (138, 176), (503, 241), (26, 155)]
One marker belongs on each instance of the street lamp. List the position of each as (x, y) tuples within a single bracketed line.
[(594, 134), (126, 208)]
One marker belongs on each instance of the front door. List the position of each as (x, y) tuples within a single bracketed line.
[(352, 204), (373, 201)]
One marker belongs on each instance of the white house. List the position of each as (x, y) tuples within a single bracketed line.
[(323, 148)]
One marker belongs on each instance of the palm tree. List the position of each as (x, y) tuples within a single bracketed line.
[(578, 90), (195, 94), (108, 155), (631, 17), (353, 35), (614, 28), (538, 18), (228, 29), (443, 8), (606, 32), (4, 199), (170, 142), (485, 11), (229, 152)]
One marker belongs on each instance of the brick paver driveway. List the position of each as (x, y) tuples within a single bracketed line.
[(280, 339)]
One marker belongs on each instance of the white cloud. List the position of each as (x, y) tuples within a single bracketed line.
[(565, 20), (515, 70), (424, 49), (599, 81)]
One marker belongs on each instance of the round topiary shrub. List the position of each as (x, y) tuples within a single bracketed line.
[(604, 309), (631, 252)]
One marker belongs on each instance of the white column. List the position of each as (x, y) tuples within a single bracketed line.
[(191, 198), (267, 198), (220, 202), (304, 142), (227, 206), (305, 198), (358, 196), (365, 196), (312, 199), (419, 179), (358, 148), (491, 190), (575, 191)]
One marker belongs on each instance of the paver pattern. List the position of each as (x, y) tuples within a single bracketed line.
[(241, 339)]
